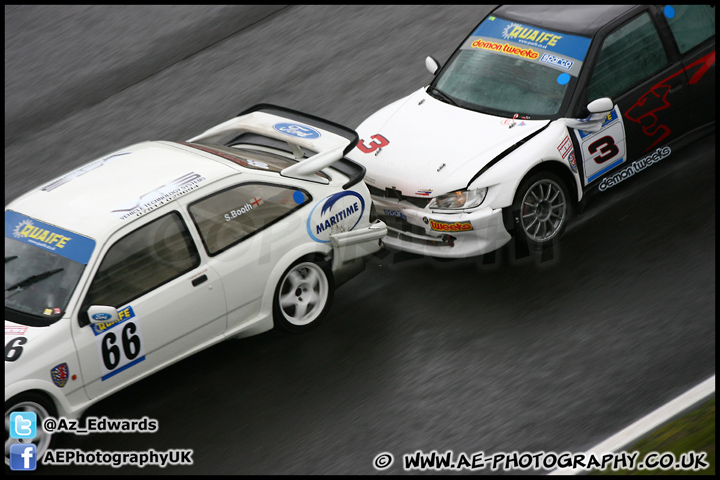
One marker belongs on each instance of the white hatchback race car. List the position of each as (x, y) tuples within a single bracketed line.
[(159, 250), (535, 112)]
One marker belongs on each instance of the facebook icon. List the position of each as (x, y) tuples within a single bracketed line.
[(23, 456)]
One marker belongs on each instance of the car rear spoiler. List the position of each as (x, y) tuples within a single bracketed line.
[(329, 140)]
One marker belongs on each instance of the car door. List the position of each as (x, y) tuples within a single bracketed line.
[(169, 304), (246, 229), (647, 85)]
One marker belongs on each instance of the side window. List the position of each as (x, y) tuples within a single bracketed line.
[(690, 24), (628, 56), (143, 260), (228, 217)]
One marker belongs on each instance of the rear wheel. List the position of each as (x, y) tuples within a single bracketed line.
[(29, 403), (303, 295)]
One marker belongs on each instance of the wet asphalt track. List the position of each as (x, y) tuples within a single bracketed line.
[(416, 354)]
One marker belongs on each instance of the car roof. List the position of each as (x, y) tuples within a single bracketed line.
[(83, 201), (578, 19)]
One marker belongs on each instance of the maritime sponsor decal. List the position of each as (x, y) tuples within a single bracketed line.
[(635, 167), (450, 227), (297, 130), (339, 212), (67, 244), (160, 196)]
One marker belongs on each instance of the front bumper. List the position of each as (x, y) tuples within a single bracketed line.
[(447, 235)]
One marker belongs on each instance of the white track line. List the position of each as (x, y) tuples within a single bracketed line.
[(648, 423)]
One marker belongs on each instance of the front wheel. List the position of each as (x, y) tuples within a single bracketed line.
[(303, 296), (541, 211), (28, 403)]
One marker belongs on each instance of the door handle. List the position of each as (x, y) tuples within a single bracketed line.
[(197, 281)]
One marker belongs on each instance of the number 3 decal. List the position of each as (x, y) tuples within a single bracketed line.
[(378, 141), (607, 148)]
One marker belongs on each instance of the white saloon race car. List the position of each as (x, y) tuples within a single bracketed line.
[(159, 250), (538, 109)]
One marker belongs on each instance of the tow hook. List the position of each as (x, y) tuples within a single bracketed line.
[(449, 239)]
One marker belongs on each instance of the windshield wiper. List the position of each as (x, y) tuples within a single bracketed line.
[(441, 96), (34, 279), (11, 258)]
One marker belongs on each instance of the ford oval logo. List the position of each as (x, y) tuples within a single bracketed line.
[(101, 316), (296, 130)]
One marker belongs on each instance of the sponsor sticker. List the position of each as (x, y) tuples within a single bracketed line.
[(120, 344), (565, 147), (635, 167), (160, 196), (560, 51), (395, 213), (67, 244), (450, 227), (59, 374), (339, 212), (15, 330)]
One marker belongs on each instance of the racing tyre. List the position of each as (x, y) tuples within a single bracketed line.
[(303, 295), (43, 409), (541, 211)]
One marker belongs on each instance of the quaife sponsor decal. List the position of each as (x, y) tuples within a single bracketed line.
[(557, 50), (339, 212), (450, 227), (635, 167), (67, 244)]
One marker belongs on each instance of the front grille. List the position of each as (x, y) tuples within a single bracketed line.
[(397, 194), (402, 225), (420, 241)]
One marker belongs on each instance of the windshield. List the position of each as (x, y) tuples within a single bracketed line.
[(43, 265), (507, 68)]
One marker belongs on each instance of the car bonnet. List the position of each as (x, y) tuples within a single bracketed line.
[(431, 148)]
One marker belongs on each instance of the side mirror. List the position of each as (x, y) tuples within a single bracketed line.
[(598, 111), (102, 314), (432, 65), (601, 105)]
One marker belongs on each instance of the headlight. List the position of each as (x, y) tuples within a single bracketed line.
[(459, 199)]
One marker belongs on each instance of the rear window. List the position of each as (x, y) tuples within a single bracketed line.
[(254, 159)]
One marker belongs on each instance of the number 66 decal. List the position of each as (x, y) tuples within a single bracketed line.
[(120, 345)]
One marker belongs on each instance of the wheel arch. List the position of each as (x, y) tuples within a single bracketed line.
[(552, 166)]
